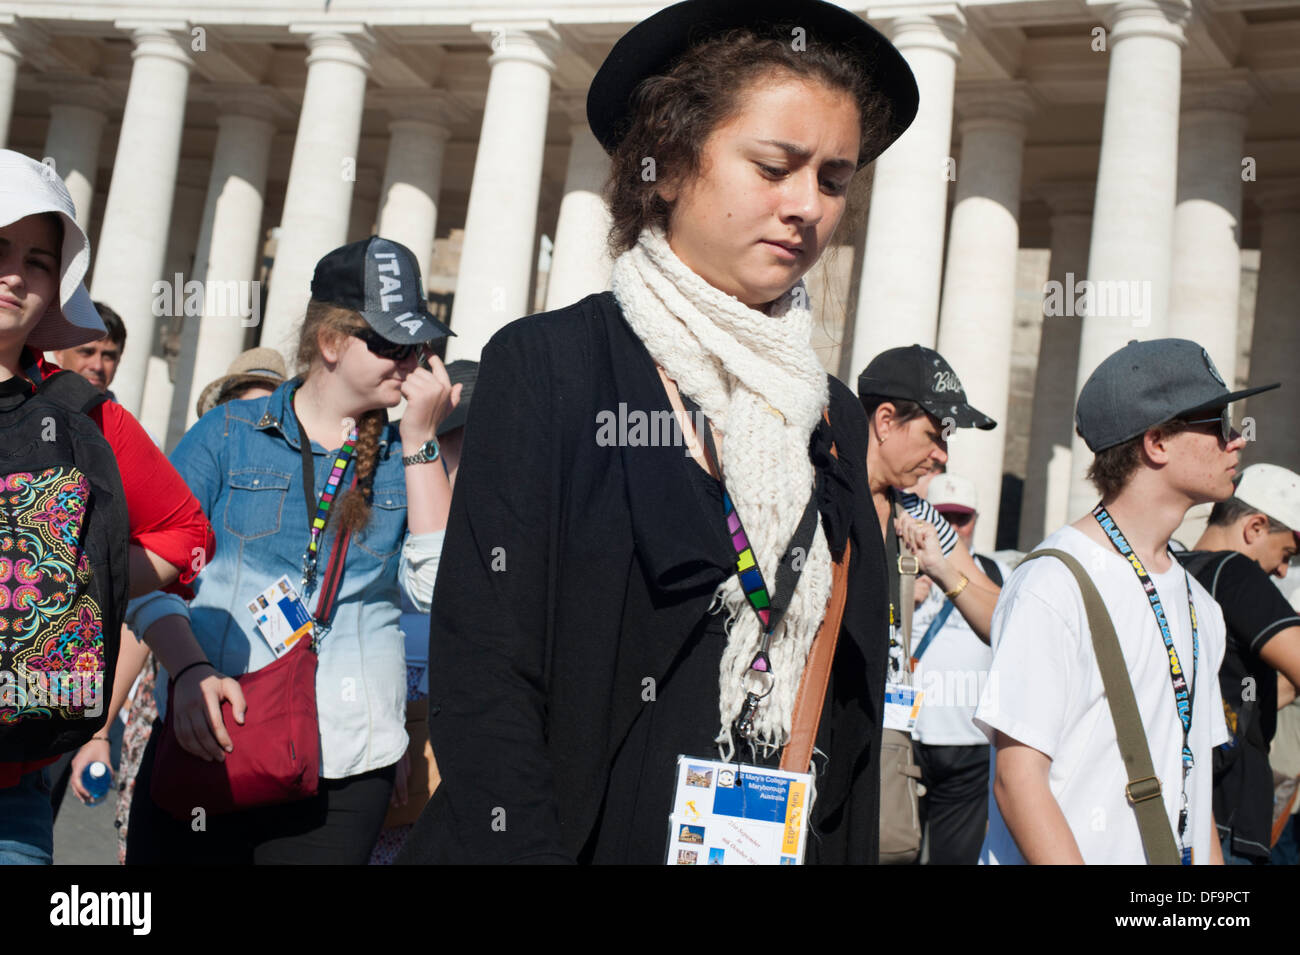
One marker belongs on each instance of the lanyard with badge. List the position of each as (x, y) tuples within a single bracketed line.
[(730, 813), (902, 697), (279, 613), (1184, 694)]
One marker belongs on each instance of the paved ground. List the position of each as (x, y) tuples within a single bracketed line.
[(85, 835)]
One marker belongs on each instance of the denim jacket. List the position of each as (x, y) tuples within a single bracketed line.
[(243, 462)]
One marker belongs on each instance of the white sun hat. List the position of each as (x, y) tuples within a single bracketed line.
[(951, 492), (28, 187), (1273, 490)]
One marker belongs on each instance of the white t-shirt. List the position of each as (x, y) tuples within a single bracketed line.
[(1044, 690), (952, 674)]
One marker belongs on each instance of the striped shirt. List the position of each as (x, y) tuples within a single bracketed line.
[(920, 509)]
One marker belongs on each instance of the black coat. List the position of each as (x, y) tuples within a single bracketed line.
[(536, 667)]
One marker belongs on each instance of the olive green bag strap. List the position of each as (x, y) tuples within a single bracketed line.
[(1143, 789)]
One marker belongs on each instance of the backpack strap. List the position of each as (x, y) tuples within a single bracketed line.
[(990, 568), (1143, 789), (73, 392)]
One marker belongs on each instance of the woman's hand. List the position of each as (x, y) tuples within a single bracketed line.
[(399, 784), (196, 699), (95, 749), (430, 397), (923, 540)]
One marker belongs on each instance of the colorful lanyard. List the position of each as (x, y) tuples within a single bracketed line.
[(768, 605), (318, 511), (1184, 695)]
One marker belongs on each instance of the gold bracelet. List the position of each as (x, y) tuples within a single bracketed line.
[(956, 591)]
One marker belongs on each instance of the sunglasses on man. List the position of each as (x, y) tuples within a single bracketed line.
[(1223, 419), (383, 348), (957, 518)]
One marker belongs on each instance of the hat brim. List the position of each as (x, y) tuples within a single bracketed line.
[(434, 329), (210, 396), (76, 323), (964, 417), (1228, 399), (459, 415), (952, 508), (652, 47)]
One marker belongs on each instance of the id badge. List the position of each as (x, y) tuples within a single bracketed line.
[(280, 616), (902, 705), (732, 814)]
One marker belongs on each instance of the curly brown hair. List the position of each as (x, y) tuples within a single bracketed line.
[(1112, 468), (352, 509), (674, 113)]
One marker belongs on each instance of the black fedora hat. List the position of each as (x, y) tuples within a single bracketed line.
[(652, 46)]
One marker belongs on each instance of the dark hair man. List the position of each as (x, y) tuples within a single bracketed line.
[(97, 361)]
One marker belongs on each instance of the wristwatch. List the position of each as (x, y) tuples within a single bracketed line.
[(428, 452)]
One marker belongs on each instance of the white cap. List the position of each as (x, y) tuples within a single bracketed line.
[(28, 187), (952, 492), (1273, 490)]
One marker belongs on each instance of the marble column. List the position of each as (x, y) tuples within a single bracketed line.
[(182, 242), (78, 112), (1275, 341), (363, 215), (318, 199), (580, 261), (898, 297), (1045, 505), (979, 289), (1206, 273), (496, 262), (133, 240), (10, 56), (226, 259), (408, 199), (1133, 217)]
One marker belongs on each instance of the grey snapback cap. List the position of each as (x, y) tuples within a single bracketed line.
[(1147, 383)]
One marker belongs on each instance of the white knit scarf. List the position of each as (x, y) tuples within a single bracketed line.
[(758, 380)]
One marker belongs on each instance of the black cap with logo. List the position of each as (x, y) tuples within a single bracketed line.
[(380, 279), (1148, 383), (920, 374)]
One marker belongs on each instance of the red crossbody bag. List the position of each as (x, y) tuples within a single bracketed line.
[(276, 752)]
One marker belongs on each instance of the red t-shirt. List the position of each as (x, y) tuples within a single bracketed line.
[(165, 517)]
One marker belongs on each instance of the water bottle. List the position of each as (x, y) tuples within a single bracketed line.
[(95, 779)]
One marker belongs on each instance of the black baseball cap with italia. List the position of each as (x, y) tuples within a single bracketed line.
[(380, 279), (920, 374), (654, 45)]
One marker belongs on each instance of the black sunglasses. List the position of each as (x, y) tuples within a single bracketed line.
[(1223, 419), (958, 519), (381, 346)]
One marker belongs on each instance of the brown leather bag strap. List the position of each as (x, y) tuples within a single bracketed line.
[(797, 755), (808, 702)]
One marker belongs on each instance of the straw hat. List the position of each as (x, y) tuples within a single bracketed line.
[(257, 366)]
